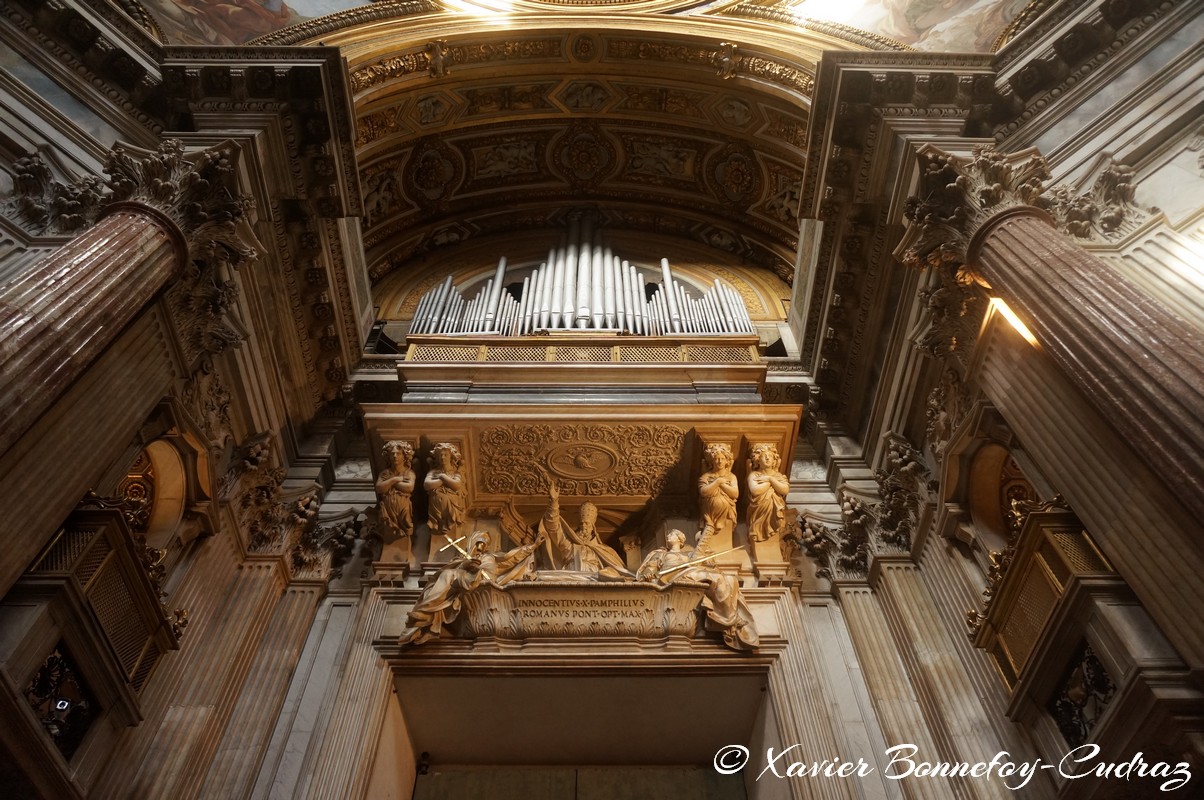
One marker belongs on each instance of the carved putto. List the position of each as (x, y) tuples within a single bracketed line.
[(767, 490), (395, 488), (447, 495), (718, 491)]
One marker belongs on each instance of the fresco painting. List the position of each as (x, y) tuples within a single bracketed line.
[(935, 25), (226, 22), (948, 26)]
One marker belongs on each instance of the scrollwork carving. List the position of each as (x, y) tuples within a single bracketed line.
[(627, 460)]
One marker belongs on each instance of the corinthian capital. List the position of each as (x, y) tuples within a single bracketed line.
[(197, 191), (958, 195)]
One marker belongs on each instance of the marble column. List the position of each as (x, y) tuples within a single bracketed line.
[(1134, 359), (60, 315), (160, 218)]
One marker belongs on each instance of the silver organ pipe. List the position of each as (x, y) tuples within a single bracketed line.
[(583, 285), (608, 299), (558, 287), (543, 314), (572, 271)]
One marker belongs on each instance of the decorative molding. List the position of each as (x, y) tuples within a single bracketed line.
[(375, 12)]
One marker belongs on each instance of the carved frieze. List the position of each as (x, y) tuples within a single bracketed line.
[(628, 460)]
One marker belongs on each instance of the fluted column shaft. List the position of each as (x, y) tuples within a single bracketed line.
[(898, 710), (241, 750), (1136, 361), (943, 687), (59, 316)]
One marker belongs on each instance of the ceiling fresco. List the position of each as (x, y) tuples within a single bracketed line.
[(936, 25)]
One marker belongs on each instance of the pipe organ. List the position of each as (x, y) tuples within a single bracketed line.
[(583, 285)]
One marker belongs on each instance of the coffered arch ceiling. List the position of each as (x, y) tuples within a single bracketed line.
[(472, 136)]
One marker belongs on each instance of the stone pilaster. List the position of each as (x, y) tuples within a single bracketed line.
[(1137, 362), (949, 698), (341, 765), (242, 746), (899, 712), (160, 219)]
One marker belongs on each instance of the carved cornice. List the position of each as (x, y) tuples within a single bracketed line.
[(1068, 53), (107, 61)]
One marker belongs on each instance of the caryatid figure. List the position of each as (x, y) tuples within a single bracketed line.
[(718, 491), (395, 488), (447, 495), (767, 490)]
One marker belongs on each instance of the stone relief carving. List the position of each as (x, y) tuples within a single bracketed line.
[(585, 96), (899, 484), (433, 172), (196, 191), (841, 553), (440, 602), (953, 311), (627, 460), (735, 113), (944, 410), (767, 490), (395, 488), (958, 194), (1105, 211), (437, 58), (581, 551), (507, 594), (718, 490), (319, 552), (447, 494), (381, 195), (45, 206), (506, 159), (206, 395), (726, 609), (658, 159)]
